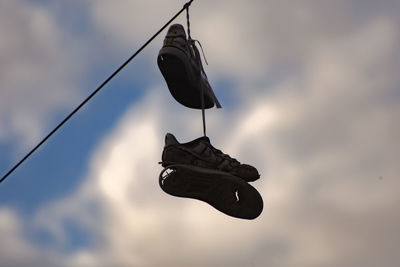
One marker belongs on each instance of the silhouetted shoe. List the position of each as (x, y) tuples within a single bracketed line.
[(225, 192), (201, 153), (180, 63)]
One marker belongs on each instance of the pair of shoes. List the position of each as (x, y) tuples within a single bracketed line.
[(180, 63), (198, 170)]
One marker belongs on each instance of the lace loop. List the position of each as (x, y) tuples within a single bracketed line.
[(202, 51)]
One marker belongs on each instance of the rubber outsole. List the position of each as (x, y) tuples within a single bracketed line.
[(181, 79), (225, 192)]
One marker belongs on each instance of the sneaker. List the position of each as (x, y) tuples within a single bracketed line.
[(225, 192), (201, 153), (180, 64)]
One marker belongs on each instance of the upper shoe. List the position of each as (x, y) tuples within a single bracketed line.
[(180, 63), (201, 153)]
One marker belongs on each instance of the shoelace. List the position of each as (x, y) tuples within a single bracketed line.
[(193, 44), (194, 52), (225, 156)]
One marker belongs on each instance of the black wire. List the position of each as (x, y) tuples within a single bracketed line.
[(188, 22), (203, 113), (95, 91)]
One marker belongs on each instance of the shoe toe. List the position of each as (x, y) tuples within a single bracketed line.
[(247, 172)]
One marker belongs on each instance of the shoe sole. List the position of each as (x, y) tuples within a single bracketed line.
[(225, 192), (180, 78)]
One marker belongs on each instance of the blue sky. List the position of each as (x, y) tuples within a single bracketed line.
[(310, 91)]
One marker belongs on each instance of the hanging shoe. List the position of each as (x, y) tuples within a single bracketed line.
[(201, 153), (225, 192), (180, 63)]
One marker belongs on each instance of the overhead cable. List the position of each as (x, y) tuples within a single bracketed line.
[(186, 6)]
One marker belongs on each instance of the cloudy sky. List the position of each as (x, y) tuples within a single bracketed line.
[(311, 97)]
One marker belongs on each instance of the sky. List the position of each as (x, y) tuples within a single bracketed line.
[(311, 97)]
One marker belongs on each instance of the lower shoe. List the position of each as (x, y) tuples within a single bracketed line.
[(225, 192), (180, 63), (201, 153)]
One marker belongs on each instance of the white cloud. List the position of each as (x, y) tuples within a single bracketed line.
[(323, 138), (132, 21), (38, 74), (16, 248)]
